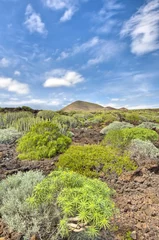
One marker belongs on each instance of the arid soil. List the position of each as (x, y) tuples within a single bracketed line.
[(137, 193)]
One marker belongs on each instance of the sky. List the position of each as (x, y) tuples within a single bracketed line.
[(54, 52)]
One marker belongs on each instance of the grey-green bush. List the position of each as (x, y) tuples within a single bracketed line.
[(149, 125), (15, 211), (9, 135), (116, 126), (143, 149)]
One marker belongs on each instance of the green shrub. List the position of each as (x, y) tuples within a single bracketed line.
[(121, 138), (133, 118), (44, 140), (7, 119), (25, 124), (90, 160), (143, 149), (149, 125), (84, 203), (14, 209), (116, 126), (70, 122), (9, 135), (46, 114)]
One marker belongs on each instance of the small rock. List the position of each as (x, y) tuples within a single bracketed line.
[(134, 235)]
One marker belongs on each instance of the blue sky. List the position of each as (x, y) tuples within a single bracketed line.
[(54, 52)]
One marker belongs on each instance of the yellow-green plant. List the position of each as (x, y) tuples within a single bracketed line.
[(91, 160), (121, 138), (44, 140), (84, 204)]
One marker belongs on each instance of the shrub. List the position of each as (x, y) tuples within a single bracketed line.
[(9, 135), (46, 114), (90, 160), (116, 126), (143, 149), (121, 138), (44, 140), (84, 204), (133, 118), (14, 209), (149, 125), (70, 122)]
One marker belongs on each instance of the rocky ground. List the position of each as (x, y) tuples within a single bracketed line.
[(137, 193)]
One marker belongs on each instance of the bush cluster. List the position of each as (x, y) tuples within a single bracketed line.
[(61, 205), (91, 160), (121, 138), (9, 135), (83, 203), (116, 126), (44, 140), (143, 149)]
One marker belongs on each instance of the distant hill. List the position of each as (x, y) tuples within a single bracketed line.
[(109, 108), (83, 106)]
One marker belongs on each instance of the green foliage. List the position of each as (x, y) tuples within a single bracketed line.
[(143, 149), (24, 124), (132, 117), (9, 135), (149, 125), (121, 138), (80, 199), (128, 236), (91, 160), (70, 122), (14, 209), (46, 114), (116, 126), (44, 140), (7, 119)]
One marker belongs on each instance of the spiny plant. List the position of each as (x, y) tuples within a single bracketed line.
[(116, 126), (46, 114), (7, 119), (44, 140), (91, 160), (84, 204), (121, 138)]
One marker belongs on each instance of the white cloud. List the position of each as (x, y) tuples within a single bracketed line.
[(61, 77), (33, 21), (80, 48), (69, 7), (68, 14), (143, 28), (105, 21), (12, 85), (4, 62), (103, 52), (17, 73)]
